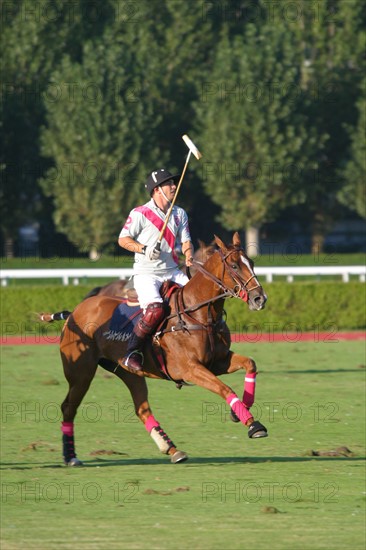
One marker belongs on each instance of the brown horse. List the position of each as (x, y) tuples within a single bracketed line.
[(193, 340)]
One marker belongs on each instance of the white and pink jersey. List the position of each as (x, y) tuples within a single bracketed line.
[(144, 224)]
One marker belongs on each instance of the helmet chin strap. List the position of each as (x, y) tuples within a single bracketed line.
[(164, 195)]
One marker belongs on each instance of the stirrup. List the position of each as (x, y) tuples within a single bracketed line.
[(134, 361)]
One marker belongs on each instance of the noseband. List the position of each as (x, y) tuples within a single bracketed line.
[(241, 289)]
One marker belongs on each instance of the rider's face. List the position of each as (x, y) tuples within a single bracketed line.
[(169, 188)]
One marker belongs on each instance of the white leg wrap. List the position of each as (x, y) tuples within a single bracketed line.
[(162, 444)]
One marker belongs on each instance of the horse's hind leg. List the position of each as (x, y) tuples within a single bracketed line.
[(138, 389), (139, 394), (79, 374)]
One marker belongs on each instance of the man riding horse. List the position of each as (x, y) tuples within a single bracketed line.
[(154, 265), (194, 344)]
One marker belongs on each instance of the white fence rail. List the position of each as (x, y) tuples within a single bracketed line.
[(65, 275), (290, 272), (269, 273)]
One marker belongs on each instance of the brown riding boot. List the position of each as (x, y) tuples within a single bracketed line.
[(147, 324), (134, 358)]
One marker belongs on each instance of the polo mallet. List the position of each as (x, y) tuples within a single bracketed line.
[(192, 149)]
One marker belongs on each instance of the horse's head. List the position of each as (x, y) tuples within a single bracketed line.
[(238, 273)]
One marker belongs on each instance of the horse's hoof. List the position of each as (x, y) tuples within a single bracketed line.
[(178, 456), (233, 417), (257, 430), (74, 462)]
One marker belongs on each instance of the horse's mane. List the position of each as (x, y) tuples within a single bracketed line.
[(204, 251)]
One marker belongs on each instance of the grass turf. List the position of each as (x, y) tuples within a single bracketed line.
[(233, 492)]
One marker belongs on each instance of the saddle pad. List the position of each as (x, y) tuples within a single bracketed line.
[(123, 321)]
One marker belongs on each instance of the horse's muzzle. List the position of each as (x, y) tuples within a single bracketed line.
[(257, 300)]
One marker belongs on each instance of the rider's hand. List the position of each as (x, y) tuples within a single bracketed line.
[(189, 261), (152, 253)]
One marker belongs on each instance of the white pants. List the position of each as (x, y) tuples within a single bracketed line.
[(148, 286)]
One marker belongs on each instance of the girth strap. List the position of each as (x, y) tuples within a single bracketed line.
[(181, 311)]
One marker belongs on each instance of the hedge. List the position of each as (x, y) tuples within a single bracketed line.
[(297, 306), (303, 307)]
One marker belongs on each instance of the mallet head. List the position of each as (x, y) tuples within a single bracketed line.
[(191, 146)]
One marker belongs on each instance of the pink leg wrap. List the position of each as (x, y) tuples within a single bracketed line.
[(151, 423), (237, 406), (67, 428), (249, 389)]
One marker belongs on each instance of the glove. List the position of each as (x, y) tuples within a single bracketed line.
[(152, 253)]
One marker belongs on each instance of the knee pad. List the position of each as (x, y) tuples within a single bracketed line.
[(153, 315)]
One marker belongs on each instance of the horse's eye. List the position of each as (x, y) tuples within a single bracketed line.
[(234, 266)]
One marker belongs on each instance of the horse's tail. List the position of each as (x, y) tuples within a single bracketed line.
[(50, 317)]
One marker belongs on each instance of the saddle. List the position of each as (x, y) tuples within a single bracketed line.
[(126, 316)]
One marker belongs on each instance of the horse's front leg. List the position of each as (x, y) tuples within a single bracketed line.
[(200, 375), (232, 362), (236, 362), (139, 394)]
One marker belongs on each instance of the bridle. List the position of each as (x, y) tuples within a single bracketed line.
[(241, 288)]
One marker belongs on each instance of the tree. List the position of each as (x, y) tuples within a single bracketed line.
[(34, 38), (96, 135), (333, 44), (256, 137), (353, 192), (308, 58), (124, 116)]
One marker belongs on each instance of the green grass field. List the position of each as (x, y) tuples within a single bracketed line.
[(232, 493)]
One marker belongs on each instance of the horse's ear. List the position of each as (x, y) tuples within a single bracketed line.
[(236, 240), (219, 243)]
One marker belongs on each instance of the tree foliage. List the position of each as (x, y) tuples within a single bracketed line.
[(34, 38), (353, 192), (333, 45), (97, 134), (113, 120), (252, 123), (97, 94)]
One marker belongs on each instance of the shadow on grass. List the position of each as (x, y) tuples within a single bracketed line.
[(215, 460), (322, 371), (316, 371)]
